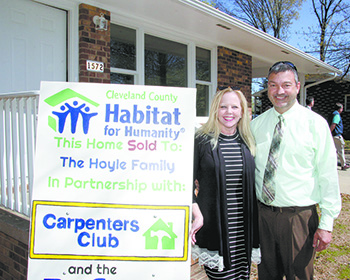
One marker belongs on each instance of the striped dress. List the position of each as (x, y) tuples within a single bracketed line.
[(230, 147)]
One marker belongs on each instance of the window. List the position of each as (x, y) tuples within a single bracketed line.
[(202, 102), (162, 62), (165, 62), (123, 54), (203, 79), (347, 103), (117, 78), (202, 64)]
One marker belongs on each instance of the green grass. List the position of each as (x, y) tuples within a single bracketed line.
[(344, 271), (347, 146), (335, 252), (334, 263)]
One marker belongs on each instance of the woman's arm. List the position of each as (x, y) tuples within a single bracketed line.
[(197, 222)]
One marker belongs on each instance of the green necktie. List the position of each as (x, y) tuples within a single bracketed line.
[(268, 193)]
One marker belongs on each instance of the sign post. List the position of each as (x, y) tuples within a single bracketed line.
[(113, 182)]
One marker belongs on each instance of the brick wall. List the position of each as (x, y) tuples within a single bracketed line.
[(93, 44), (235, 70), (14, 233), (326, 95)]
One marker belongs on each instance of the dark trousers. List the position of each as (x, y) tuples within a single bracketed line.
[(286, 237)]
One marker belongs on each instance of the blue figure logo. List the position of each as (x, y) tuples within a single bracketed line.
[(75, 111)]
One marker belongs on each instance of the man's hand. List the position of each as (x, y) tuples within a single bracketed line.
[(322, 239)]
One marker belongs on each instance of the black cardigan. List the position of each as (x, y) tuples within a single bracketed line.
[(209, 170)]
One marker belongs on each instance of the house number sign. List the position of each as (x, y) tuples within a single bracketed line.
[(94, 66)]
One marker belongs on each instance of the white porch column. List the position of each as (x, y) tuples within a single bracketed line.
[(302, 89)]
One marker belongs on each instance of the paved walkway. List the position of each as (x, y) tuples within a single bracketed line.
[(344, 177)]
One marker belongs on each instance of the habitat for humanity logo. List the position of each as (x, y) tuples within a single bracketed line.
[(78, 111)]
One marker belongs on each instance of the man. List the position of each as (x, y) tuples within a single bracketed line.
[(310, 102), (336, 126), (303, 174)]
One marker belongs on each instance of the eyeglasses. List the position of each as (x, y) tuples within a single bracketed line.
[(284, 62), (231, 87)]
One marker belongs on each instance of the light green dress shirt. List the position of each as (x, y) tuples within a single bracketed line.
[(307, 166)]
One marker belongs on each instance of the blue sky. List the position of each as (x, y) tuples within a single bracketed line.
[(306, 18)]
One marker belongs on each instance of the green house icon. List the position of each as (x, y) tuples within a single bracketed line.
[(162, 234)]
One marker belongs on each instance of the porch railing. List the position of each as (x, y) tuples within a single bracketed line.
[(18, 121)]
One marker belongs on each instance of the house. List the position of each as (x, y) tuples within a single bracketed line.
[(160, 236), (329, 93), (182, 43)]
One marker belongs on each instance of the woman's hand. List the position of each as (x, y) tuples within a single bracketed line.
[(197, 222)]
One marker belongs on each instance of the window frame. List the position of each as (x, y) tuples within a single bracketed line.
[(347, 102), (139, 73)]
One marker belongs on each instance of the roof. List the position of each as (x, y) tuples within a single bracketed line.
[(206, 23)]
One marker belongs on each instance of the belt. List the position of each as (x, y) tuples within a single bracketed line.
[(289, 209)]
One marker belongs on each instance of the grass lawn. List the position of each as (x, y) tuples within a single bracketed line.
[(334, 263), (347, 147)]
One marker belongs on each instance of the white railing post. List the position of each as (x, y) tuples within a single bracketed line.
[(9, 159), (22, 156), (2, 154), (17, 148), (14, 138), (31, 122)]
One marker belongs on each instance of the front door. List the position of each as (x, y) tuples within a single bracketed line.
[(33, 45)]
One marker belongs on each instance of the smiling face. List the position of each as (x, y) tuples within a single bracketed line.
[(283, 90), (229, 112)]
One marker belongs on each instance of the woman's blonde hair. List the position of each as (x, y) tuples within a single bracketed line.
[(212, 126)]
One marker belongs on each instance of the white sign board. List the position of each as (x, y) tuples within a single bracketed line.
[(113, 182)]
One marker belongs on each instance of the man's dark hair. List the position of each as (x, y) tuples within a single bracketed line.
[(309, 100), (283, 66), (338, 106)]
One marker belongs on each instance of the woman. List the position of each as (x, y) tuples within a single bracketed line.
[(225, 223)]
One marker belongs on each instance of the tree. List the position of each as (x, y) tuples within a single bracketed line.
[(271, 16), (210, 3), (333, 32)]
